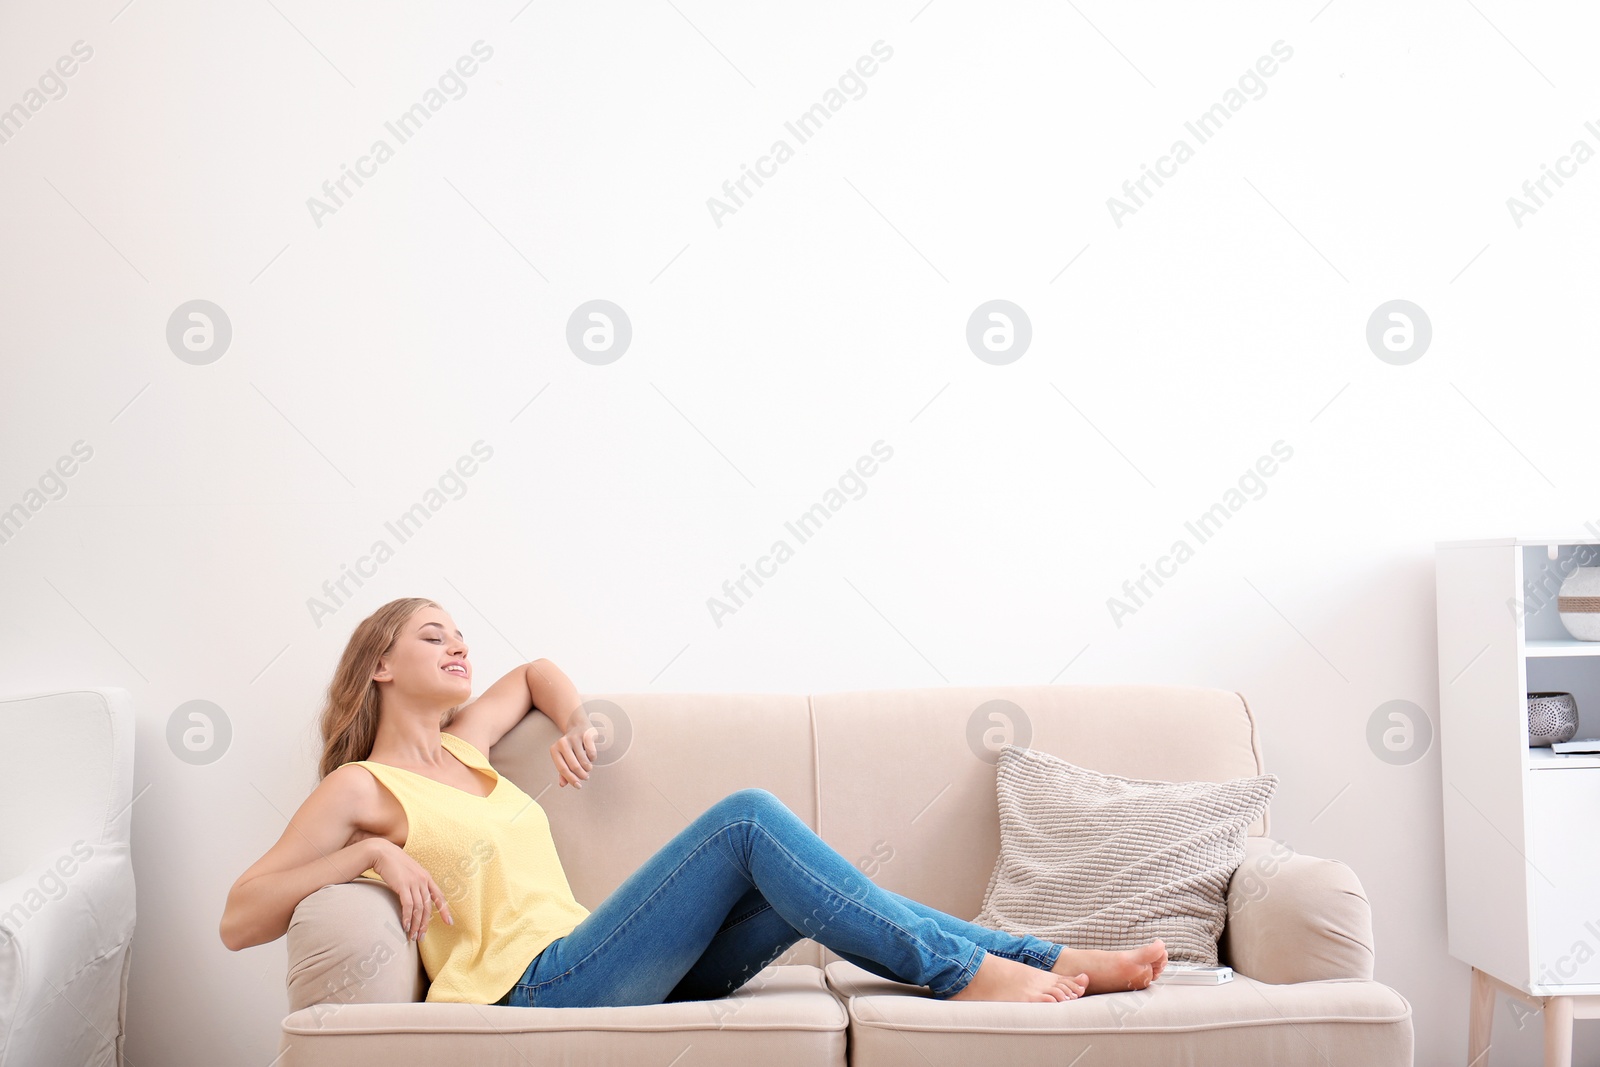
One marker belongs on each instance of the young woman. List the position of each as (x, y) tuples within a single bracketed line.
[(407, 796)]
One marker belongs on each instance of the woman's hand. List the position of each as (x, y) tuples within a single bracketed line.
[(574, 753), (415, 887)]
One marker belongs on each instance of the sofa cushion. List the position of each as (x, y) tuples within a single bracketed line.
[(1244, 1021), (1101, 861), (784, 1015)]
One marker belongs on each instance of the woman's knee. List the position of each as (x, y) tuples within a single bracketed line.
[(752, 801)]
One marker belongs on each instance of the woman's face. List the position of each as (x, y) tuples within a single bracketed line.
[(428, 662)]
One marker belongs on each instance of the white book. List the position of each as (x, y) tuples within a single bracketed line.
[(1194, 974), (1582, 744)]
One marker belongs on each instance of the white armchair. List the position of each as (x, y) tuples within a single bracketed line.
[(66, 877)]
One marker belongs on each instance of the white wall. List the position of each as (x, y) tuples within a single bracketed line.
[(428, 312)]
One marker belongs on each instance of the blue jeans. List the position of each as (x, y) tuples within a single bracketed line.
[(728, 895)]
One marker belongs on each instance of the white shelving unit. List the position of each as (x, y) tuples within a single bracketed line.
[(1522, 872)]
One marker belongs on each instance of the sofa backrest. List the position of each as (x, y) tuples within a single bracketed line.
[(665, 758), (901, 782), (907, 777)]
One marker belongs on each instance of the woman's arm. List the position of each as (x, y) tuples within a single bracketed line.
[(313, 852), (536, 686), (556, 696)]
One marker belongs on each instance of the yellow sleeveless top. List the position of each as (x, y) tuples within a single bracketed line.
[(495, 863)]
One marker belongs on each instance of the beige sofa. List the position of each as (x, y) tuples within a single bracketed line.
[(902, 782)]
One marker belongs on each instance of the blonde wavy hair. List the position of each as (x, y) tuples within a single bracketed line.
[(349, 719)]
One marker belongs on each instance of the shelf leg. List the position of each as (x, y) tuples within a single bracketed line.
[(1557, 1032), (1480, 1020)]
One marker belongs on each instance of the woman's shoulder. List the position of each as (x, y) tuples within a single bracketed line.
[(350, 780), (372, 807), (457, 743)]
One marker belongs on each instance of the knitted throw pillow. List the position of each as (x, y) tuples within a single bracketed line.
[(1094, 860)]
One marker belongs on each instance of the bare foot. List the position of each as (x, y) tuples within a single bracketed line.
[(1112, 972), (1001, 979)]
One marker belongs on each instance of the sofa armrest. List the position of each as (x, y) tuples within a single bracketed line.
[(346, 946), (1294, 918), (66, 934)]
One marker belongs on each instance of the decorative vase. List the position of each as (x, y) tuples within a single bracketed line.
[(1578, 601), (1552, 717)]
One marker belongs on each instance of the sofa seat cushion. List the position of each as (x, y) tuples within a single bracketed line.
[(784, 1015), (1244, 1021)]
